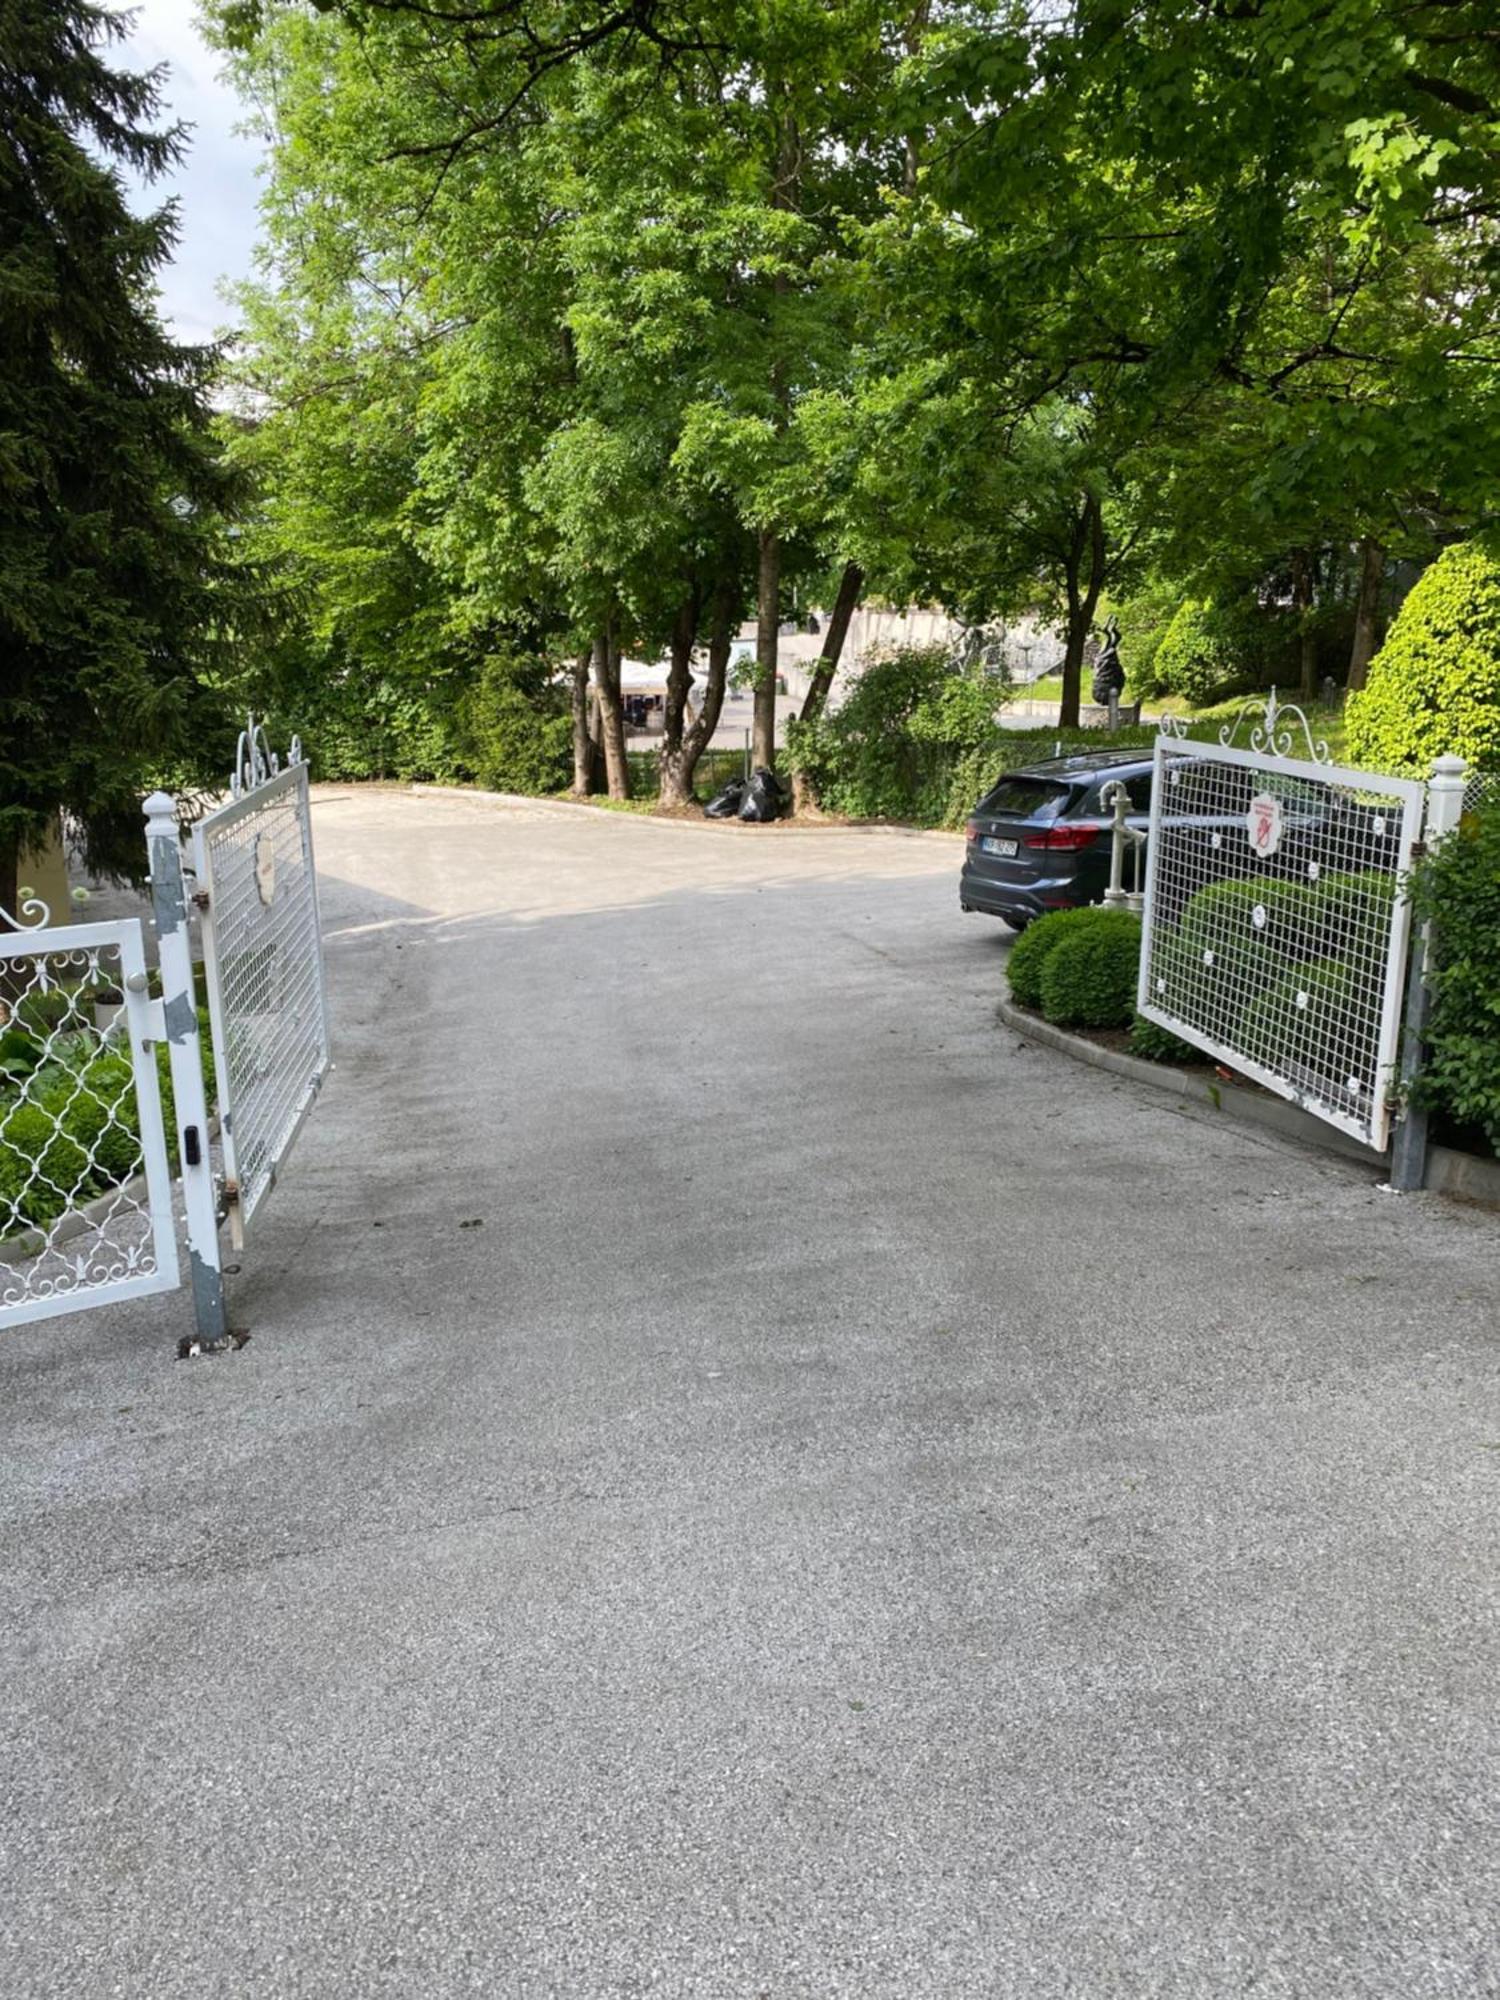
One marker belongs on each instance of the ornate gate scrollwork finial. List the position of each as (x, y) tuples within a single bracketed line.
[(35, 914), (255, 762), (1275, 734)]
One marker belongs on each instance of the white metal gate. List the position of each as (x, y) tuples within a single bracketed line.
[(1276, 920), (85, 1188), (263, 966), (86, 1203)]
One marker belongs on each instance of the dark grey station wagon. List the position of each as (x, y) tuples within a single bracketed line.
[(1040, 839)]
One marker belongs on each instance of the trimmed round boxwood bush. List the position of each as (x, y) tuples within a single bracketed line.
[(1434, 686), (1254, 929), (1032, 949), (1222, 919), (1313, 1023), (1256, 933), (1357, 909), (1089, 978), (1154, 1043), (1459, 889)]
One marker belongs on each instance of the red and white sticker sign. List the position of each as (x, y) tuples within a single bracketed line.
[(1264, 823)]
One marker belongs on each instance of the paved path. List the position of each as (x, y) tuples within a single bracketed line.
[(748, 1481)]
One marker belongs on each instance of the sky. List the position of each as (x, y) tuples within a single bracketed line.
[(216, 184)]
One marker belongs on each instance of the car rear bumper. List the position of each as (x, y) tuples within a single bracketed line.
[(993, 901), (979, 889)]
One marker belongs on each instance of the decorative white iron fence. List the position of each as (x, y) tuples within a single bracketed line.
[(85, 1188), (263, 966), (1276, 922), (86, 1209)]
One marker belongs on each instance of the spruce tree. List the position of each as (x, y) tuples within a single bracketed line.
[(116, 618)]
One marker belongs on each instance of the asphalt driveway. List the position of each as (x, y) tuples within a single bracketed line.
[(747, 1480)]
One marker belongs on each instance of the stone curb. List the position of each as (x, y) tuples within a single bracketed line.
[(1448, 1172), (686, 824)]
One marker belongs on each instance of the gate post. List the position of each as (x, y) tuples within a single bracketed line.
[(1115, 800), (1445, 805), (180, 1011)]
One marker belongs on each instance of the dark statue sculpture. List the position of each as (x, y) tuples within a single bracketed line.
[(1109, 675)]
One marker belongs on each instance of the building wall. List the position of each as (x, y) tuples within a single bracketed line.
[(44, 871)]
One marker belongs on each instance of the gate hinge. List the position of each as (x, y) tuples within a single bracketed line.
[(1419, 850), (200, 899), (234, 1215)]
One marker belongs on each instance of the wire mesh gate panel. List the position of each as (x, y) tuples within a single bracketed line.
[(263, 965), (85, 1186), (1276, 921)]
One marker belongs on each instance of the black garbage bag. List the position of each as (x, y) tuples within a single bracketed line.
[(726, 804), (763, 798)]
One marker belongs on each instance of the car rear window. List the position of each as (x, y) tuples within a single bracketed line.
[(1137, 787), (1027, 798)]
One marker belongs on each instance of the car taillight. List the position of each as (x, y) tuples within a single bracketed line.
[(971, 831), (1070, 836)]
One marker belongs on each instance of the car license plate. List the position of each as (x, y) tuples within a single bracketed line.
[(1005, 848)]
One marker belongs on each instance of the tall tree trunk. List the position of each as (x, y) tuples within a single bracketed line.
[(851, 583), (1302, 598), (1085, 579), (1366, 611), (1072, 668), (596, 742), (767, 624), (720, 646), (611, 711), (676, 772), (583, 737)]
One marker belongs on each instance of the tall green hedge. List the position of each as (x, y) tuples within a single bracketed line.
[(1212, 650), (517, 727), (1434, 686), (1459, 889)]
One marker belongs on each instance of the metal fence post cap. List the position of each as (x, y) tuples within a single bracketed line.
[(160, 805), (1448, 769)]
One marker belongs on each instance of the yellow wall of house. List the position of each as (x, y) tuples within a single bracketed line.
[(44, 870)]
